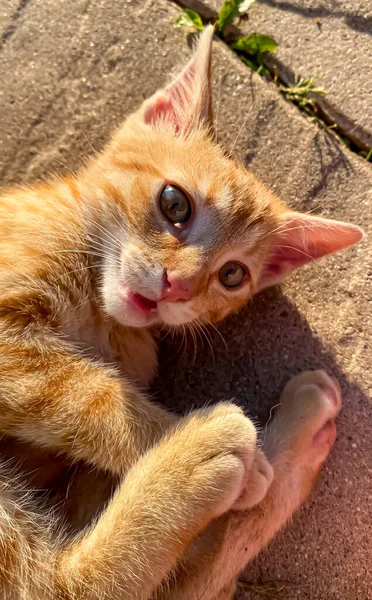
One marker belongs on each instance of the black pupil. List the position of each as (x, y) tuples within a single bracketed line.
[(175, 205), (231, 274)]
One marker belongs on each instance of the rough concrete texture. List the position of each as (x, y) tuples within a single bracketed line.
[(7, 16), (315, 37), (70, 71)]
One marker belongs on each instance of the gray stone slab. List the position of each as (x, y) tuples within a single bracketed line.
[(334, 38), (70, 73)]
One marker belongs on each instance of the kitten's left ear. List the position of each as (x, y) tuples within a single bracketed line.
[(186, 103), (300, 239)]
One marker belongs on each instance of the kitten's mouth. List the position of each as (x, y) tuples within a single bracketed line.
[(143, 303), (140, 311)]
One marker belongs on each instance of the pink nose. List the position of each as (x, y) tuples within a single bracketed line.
[(175, 288)]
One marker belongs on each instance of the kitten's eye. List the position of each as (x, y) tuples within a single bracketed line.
[(231, 274), (175, 205)]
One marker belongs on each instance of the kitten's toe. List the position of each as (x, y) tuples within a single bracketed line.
[(258, 481)]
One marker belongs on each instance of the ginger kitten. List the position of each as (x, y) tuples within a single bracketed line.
[(162, 228)]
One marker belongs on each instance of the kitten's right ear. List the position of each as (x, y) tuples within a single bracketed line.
[(301, 238), (186, 103)]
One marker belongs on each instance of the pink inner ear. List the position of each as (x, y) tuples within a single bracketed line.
[(161, 110), (171, 104), (283, 256), (304, 238)]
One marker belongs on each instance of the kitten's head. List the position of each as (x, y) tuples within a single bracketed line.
[(190, 234)]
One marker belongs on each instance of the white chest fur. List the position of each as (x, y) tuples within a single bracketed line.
[(133, 351)]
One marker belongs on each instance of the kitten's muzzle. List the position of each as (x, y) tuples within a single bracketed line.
[(175, 288)]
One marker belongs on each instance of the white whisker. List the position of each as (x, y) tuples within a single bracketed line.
[(85, 268), (243, 125), (195, 340), (267, 424), (297, 250), (109, 235), (218, 101), (204, 331), (239, 133), (218, 332)]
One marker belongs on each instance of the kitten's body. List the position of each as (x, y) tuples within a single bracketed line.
[(88, 266)]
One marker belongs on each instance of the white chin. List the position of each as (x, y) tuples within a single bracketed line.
[(175, 313), (129, 316), (136, 320)]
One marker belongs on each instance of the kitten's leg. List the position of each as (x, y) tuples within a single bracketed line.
[(65, 402), (297, 442), (194, 474), (26, 550)]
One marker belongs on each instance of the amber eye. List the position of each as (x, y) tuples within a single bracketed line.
[(231, 274), (175, 205)]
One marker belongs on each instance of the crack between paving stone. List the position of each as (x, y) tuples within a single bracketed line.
[(331, 115), (11, 29), (360, 138)]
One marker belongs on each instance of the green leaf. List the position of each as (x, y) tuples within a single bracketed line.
[(189, 18), (255, 44), (243, 5), (228, 12)]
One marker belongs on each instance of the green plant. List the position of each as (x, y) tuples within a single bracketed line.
[(231, 10), (249, 48), (189, 18), (301, 93)]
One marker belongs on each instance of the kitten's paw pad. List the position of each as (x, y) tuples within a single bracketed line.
[(326, 436), (258, 481)]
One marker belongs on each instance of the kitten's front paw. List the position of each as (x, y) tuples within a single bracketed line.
[(218, 447)]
